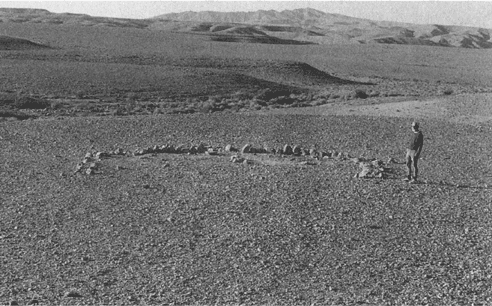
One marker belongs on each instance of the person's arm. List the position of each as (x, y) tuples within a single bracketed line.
[(421, 144)]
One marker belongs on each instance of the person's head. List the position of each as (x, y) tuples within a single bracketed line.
[(415, 126)]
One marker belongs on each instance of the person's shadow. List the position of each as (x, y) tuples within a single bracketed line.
[(464, 186)]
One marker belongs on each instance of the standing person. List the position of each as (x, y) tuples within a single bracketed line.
[(414, 147)]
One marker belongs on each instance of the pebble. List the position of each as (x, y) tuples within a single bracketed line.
[(201, 148), (230, 148), (296, 150), (287, 150), (246, 148)]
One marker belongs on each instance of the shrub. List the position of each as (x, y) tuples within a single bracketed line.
[(80, 94), (56, 105), (15, 114), (25, 102), (360, 94), (447, 91)]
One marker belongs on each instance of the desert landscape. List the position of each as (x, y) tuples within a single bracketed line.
[(208, 158)]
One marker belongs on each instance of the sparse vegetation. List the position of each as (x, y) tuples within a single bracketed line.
[(28, 102)]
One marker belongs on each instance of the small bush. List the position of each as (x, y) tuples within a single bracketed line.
[(360, 94), (56, 105), (80, 94), (31, 103), (447, 91), (14, 114)]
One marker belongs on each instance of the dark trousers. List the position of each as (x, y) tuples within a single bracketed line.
[(412, 159)]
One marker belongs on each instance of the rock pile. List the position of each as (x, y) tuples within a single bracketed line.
[(370, 169), (89, 164)]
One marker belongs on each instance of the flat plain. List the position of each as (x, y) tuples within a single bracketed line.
[(197, 229)]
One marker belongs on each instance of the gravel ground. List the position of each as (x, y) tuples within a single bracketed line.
[(183, 229)]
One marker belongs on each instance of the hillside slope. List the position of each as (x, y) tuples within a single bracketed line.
[(15, 43)]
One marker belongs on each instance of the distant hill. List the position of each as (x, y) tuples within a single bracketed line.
[(299, 26), (323, 28)]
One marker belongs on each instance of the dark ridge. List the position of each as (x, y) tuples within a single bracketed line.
[(298, 73), (15, 43)]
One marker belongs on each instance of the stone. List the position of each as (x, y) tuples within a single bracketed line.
[(88, 155), (313, 152), (246, 148), (93, 166), (364, 173), (287, 150), (180, 149), (236, 159), (73, 294), (230, 148), (170, 149), (139, 152), (391, 161), (89, 171), (377, 163), (296, 150), (365, 165), (119, 151), (305, 152), (200, 149), (356, 160), (78, 167), (273, 151), (192, 150), (211, 151), (86, 160)]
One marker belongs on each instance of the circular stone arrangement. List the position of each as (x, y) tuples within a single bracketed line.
[(369, 168)]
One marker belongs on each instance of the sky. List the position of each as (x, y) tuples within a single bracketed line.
[(465, 13)]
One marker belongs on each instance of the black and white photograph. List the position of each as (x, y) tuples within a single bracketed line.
[(228, 153)]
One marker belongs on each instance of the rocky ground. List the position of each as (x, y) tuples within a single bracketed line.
[(168, 228)]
